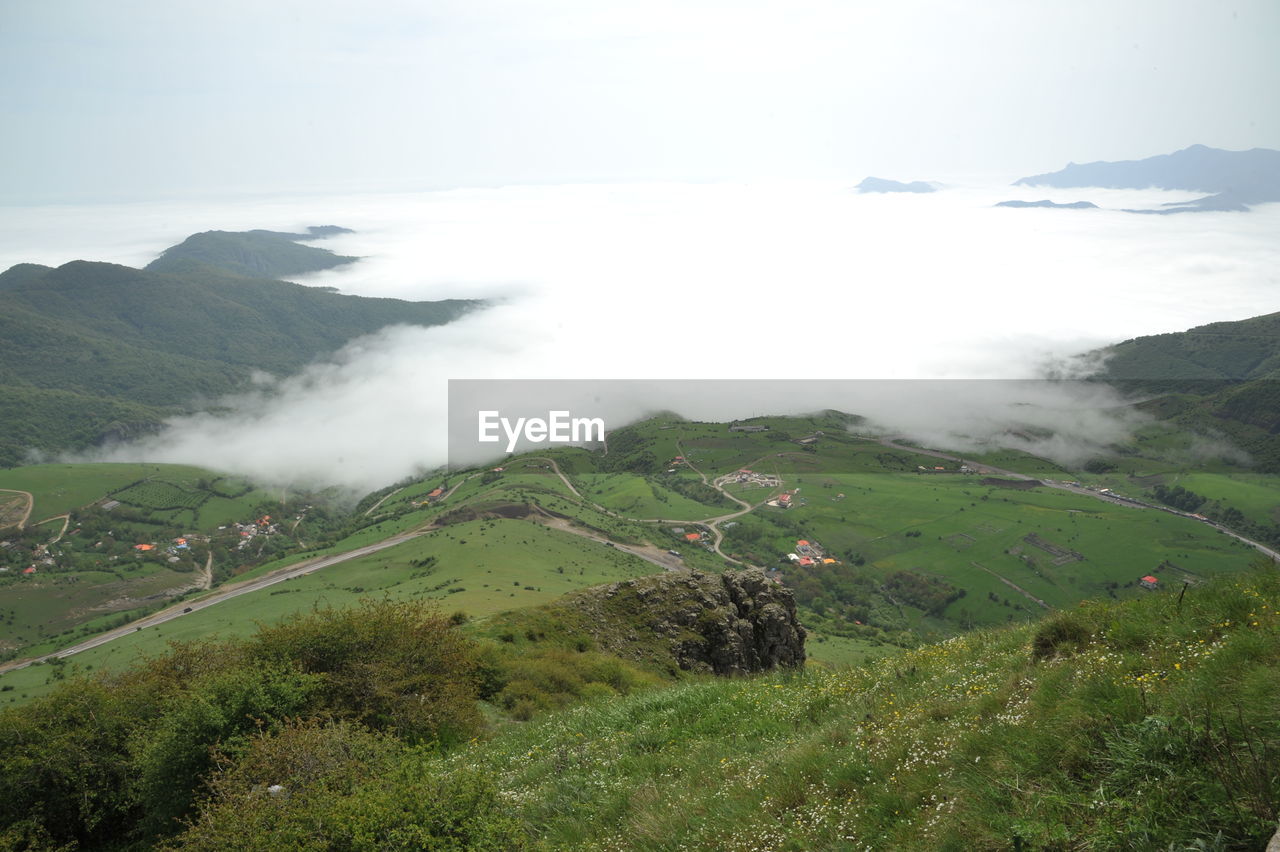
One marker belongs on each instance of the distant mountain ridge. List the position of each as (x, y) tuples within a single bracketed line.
[(1074, 205), (875, 184), (253, 254), (1235, 179), (97, 350)]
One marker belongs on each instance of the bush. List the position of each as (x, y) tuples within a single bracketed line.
[(396, 666), (1058, 636), (338, 786)]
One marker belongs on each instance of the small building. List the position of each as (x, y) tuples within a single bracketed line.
[(692, 536), (30, 570), (1149, 582)]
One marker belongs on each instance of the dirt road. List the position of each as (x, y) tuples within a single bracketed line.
[(31, 504)]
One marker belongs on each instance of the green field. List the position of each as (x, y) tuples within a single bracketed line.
[(1256, 495), (996, 554), (96, 573), (42, 607), (639, 497), (972, 536), (59, 488), (480, 567)]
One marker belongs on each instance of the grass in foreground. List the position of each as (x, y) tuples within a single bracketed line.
[(1144, 725)]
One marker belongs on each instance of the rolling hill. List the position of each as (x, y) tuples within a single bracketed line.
[(1219, 379), (253, 254), (91, 351)]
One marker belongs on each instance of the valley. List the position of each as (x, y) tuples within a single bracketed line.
[(885, 545)]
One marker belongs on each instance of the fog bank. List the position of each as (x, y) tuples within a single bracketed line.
[(674, 281)]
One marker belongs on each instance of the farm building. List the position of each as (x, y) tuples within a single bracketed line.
[(1149, 582)]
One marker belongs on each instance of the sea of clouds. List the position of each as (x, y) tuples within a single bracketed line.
[(700, 281)]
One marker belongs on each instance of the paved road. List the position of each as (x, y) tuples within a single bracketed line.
[(1270, 553), (224, 594), (652, 554)]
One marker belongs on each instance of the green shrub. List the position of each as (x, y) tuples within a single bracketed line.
[(1059, 635), (396, 666), (339, 786)]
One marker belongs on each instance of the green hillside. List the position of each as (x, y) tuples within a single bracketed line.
[(907, 555), (1219, 380), (1140, 725), (1069, 709), (252, 254), (75, 567), (92, 351)]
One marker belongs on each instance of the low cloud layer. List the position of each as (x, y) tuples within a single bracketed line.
[(696, 282)]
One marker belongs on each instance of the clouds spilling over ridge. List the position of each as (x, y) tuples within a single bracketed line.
[(706, 281)]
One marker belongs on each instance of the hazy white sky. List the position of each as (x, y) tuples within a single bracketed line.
[(167, 98)]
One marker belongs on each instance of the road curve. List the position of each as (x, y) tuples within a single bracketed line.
[(31, 504)]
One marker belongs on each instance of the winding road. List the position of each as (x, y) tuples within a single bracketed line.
[(650, 553)]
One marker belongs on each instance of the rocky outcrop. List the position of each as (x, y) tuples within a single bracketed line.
[(733, 623)]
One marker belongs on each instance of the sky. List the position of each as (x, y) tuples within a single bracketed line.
[(151, 99)]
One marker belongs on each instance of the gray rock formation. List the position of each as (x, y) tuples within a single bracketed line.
[(733, 623)]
